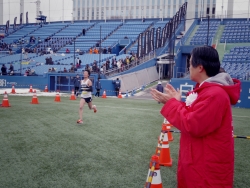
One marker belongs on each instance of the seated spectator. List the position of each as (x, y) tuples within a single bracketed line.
[(77, 50), (32, 73), (53, 69), (65, 70), (11, 68), (96, 51), (67, 51), (77, 65), (90, 51), (72, 69), (49, 70)]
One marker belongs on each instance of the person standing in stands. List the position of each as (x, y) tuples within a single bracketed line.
[(98, 87), (117, 84), (4, 70), (206, 154), (86, 95), (77, 84), (104, 51), (83, 32)]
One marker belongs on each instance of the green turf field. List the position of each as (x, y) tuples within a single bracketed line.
[(42, 146)]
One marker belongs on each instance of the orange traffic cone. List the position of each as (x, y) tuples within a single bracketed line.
[(104, 94), (13, 91), (120, 95), (46, 89), (72, 97), (163, 150), (5, 102), (34, 98), (170, 135), (154, 174), (31, 90), (57, 98)]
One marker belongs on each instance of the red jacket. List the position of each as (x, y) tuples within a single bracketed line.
[(206, 155)]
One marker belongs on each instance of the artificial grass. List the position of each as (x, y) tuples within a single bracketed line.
[(42, 146)]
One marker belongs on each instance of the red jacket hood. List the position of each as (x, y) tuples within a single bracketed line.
[(231, 86)]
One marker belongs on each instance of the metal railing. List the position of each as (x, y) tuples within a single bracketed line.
[(132, 64)]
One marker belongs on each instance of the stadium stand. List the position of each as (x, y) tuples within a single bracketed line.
[(237, 62), (92, 37), (200, 37), (236, 32)]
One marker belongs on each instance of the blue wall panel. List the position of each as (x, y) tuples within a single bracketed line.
[(244, 101), (23, 81)]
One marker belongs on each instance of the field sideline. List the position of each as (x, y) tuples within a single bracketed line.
[(42, 146)]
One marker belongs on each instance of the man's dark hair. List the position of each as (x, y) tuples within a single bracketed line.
[(208, 57)]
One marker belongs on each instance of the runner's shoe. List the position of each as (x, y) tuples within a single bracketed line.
[(79, 121), (95, 109)]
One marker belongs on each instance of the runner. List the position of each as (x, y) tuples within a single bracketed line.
[(86, 95)]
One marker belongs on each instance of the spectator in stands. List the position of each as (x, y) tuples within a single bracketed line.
[(77, 60), (94, 67), (72, 69), (96, 51), (49, 70), (77, 65), (67, 51), (98, 87), (101, 70), (104, 68), (39, 40), (109, 50), (104, 51), (80, 63), (83, 32), (65, 70), (4, 70), (90, 51), (108, 64), (117, 84), (119, 63), (10, 51), (77, 84), (53, 69), (11, 69)]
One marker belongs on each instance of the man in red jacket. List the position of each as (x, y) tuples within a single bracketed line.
[(206, 156)]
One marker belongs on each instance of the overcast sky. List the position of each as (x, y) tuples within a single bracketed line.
[(240, 8), (57, 9)]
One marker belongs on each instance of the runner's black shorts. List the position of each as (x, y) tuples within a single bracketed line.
[(87, 100)]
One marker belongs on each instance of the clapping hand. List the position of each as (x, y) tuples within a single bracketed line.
[(164, 97)]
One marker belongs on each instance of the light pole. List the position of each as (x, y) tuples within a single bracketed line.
[(49, 11)]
